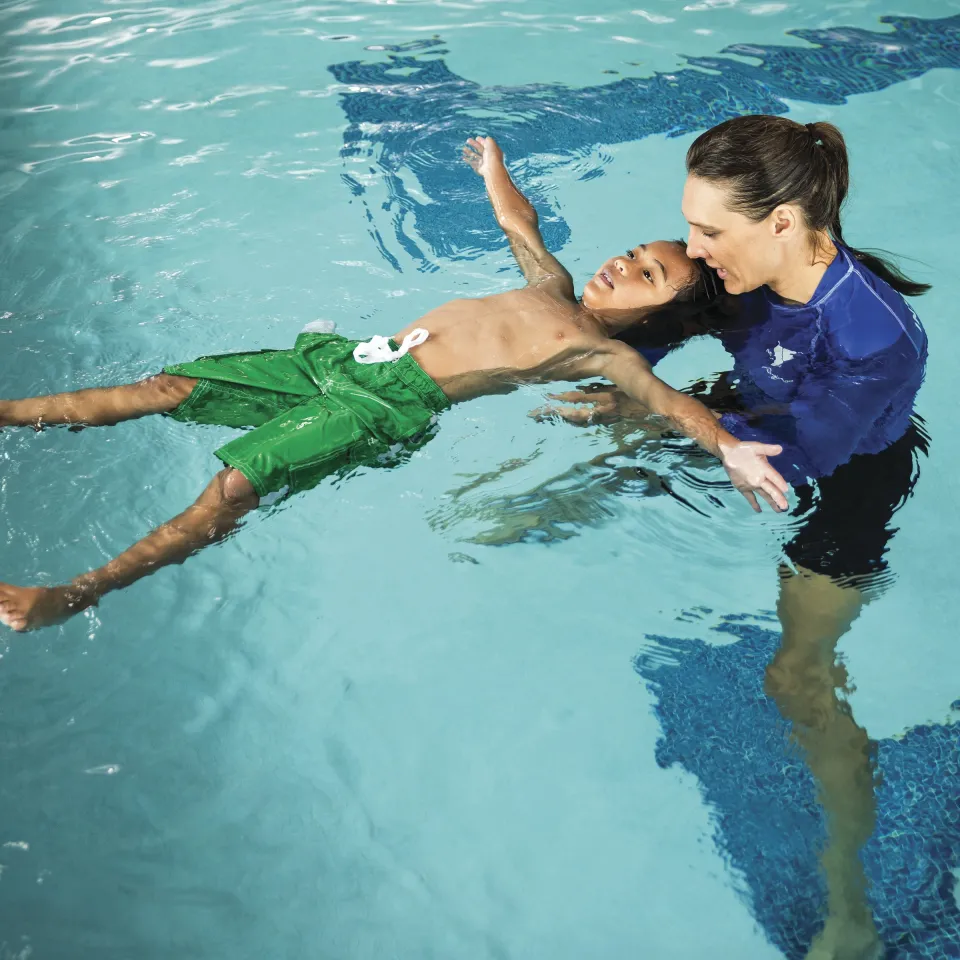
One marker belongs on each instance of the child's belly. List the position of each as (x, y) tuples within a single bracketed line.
[(477, 347)]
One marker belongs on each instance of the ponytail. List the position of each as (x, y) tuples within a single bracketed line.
[(881, 266)]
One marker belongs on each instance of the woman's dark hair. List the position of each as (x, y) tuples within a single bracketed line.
[(765, 161)]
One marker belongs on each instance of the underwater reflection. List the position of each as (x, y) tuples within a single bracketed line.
[(834, 563)]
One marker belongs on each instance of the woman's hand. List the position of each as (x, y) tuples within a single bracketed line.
[(483, 154), (602, 404), (748, 469)]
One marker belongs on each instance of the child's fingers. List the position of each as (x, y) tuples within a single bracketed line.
[(773, 496), (768, 449), (778, 481)]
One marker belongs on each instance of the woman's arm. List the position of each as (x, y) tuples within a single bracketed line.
[(516, 215)]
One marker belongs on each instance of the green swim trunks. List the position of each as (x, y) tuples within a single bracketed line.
[(315, 410)]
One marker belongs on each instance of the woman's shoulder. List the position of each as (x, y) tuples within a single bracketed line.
[(865, 316)]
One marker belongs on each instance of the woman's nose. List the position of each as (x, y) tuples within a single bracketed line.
[(695, 249)]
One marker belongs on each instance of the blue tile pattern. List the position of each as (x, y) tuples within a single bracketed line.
[(412, 112), (718, 724)]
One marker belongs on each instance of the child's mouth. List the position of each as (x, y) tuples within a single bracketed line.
[(605, 277)]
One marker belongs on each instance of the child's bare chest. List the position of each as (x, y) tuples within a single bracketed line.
[(514, 337)]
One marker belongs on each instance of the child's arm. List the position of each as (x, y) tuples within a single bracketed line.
[(516, 215), (745, 462)]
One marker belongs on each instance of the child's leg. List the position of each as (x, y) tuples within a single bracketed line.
[(214, 515), (99, 407)]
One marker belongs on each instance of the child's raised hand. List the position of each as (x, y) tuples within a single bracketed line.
[(483, 154)]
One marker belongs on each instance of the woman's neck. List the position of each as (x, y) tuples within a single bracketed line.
[(801, 274)]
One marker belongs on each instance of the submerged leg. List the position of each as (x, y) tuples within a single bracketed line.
[(99, 407), (215, 514), (804, 679)]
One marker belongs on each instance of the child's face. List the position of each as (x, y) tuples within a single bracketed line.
[(628, 286)]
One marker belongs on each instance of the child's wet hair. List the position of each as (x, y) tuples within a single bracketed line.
[(705, 286)]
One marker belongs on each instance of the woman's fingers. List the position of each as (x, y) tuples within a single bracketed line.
[(571, 396), (575, 415), (602, 404), (751, 499)]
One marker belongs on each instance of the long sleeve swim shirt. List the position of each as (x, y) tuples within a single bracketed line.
[(827, 379)]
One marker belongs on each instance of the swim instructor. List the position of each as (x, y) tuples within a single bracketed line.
[(828, 359)]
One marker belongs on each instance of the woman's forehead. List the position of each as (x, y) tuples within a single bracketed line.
[(703, 202)]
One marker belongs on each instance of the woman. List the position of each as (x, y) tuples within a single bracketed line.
[(828, 359)]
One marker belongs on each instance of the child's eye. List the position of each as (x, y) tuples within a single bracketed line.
[(631, 255), (648, 275)]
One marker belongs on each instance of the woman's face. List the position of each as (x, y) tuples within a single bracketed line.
[(744, 253)]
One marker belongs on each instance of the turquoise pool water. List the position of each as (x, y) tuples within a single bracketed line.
[(490, 704)]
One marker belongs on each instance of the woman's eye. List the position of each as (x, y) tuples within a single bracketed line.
[(631, 255), (708, 234)]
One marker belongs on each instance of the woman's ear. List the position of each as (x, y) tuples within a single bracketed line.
[(784, 221)]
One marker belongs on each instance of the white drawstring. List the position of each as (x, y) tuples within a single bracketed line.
[(378, 350)]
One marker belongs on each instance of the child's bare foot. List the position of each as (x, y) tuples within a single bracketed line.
[(28, 608)]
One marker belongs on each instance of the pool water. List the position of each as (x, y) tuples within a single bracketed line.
[(498, 702)]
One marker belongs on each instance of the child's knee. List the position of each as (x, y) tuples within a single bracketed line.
[(237, 491), (168, 388)]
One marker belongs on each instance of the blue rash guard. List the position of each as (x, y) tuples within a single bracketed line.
[(828, 379)]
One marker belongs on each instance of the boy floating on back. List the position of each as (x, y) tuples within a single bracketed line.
[(330, 402)]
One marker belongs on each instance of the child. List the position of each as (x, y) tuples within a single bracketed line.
[(331, 402)]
